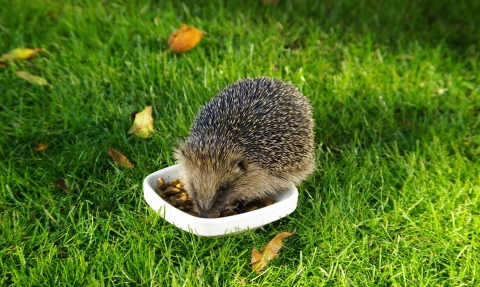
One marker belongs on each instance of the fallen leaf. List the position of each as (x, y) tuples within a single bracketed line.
[(21, 54), (270, 251), (40, 147), (143, 124), (184, 39), (60, 183), (32, 78), (119, 159), (258, 262), (3, 64)]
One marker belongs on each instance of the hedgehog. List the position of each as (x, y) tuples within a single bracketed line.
[(253, 140)]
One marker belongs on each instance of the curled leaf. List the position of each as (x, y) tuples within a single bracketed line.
[(184, 39), (258, 262), (21, 54), (119, 158), (40, 147), (143, 124), (32, 78), (270, 251)]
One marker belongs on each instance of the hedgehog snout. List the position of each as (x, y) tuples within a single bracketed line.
[(207, 213)]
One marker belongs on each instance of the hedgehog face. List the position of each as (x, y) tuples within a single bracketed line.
[(213, 182)]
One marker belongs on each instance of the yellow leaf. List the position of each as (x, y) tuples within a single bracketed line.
[(270, 251), (21, 54), (40, 147), (32, 78), (143, 124), (184, 39), (119, 159)]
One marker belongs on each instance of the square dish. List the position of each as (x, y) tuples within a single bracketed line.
[(209, 227)]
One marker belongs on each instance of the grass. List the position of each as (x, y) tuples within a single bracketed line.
[(395, 87)]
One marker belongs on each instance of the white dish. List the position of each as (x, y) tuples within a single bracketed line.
[(287, 202)]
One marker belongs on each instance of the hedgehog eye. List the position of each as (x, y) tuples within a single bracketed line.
[(222, 189), (241, 165)]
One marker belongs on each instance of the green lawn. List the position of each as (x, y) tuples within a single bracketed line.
[(395, 86)]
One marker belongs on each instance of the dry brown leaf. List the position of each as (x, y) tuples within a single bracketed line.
[(21, 54), (276, 243), (143, 124), (40, 147), (270, 251), (3, 64), (119, 158), (32, 78), (60, 183), (258, 262), (184, 39)]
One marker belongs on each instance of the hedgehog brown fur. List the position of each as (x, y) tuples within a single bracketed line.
[(254, 139)]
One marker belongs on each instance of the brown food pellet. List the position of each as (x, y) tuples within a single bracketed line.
[(255, 203), (162, 194), (252, 208), (174, 182), (161, 184), (268, 201), (169, 201), (173, 193), (228, 213), (172, 190), (183, 197), (175, 197)]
